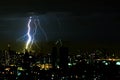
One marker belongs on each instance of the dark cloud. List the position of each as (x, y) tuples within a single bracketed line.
[(77, 22)]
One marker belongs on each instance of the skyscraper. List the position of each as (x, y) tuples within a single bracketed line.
[(54, 56), (63, 52)]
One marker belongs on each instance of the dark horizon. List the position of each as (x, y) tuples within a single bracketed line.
[(90, 24)]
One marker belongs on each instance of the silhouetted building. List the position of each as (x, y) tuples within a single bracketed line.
[(63, 51), (26, 61), (54, 56)]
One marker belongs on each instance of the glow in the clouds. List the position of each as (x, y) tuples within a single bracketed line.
[(28, 34)]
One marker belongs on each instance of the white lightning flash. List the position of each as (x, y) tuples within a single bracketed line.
[(32, 27), (28, 34), (34, 33)]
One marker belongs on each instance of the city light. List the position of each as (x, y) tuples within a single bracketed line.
[(117, 63)]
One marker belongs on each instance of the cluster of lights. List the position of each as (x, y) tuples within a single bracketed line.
[(7, 71), (44, 66)]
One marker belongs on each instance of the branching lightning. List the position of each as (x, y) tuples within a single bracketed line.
[(34, 33), (28, 34), (44, 33), (33, 25)]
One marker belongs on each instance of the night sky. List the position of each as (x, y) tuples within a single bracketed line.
[(94, 23)]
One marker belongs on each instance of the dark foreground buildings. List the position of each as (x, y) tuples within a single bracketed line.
[(58, 65), (60, 57)]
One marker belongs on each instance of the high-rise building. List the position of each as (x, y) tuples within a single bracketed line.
[(63, 52), (54, 56)]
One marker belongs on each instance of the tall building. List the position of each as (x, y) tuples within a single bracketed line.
[(63, 52), (54, 56), (7, 55), (26, 60), (59, 55)]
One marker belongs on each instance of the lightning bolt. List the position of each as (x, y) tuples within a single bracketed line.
[(33, 25), (34, 33), (28, 34)]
